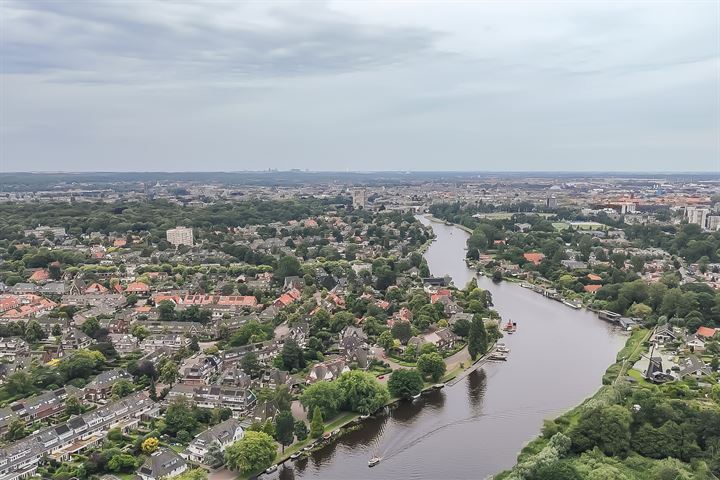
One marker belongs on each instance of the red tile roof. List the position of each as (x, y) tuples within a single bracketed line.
[(592, 288), (706, 332), (534, 257)]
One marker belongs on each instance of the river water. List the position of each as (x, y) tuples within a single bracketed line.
[(477, 427)]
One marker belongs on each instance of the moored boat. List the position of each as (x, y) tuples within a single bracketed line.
[(271, 469), (438, 386), (415, 397), (501, 347), (498, 356), (295, 456)]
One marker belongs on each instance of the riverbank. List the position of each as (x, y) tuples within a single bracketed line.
[(457, 225)]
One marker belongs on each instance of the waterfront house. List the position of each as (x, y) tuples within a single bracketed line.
[(223, 434)]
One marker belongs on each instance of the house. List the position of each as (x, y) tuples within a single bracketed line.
[(13, 347), (460, 316), (40, 275), (534, 257), (666, 333), (162, 464), (592, 288), (443, 339), (95, 288), (239, 400), (327, 371), (75, 340), (199, 369), (138, 288), (223, 434), (172, 341), (593, 277), (694, 366), (100, 388), (706, 332), (124, 343), (695, 343)]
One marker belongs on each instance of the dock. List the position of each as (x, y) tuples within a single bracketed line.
[(477, 364)]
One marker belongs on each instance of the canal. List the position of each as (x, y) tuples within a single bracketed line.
[(477, 427)]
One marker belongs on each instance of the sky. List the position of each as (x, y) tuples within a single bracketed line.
[(143, 85)]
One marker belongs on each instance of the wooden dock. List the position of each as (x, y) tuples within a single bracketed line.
[(477, 364)]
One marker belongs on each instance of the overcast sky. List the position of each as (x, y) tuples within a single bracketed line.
[(395, 85)]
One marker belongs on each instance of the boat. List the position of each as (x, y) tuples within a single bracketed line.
[(571, 304), (295, 456), (308, 447), (438, 386), (508, 326), (336, 431), (364, 417), (415, 397), (501, 347), (498, 356), (374, 461), (271, 469), (326, 435)]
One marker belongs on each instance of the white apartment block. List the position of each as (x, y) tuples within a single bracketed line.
[(180, 236)]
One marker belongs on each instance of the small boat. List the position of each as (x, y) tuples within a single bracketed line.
[(508, 326), (308, 447), (326, 435), (364, 417), (438, 386), (415, 397), (501, 347), (498, 356), (295, 456), (271, 469), (374, 461)]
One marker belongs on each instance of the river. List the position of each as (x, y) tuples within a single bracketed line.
[(477, 427)]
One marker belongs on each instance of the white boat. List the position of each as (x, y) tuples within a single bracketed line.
[(502, 348), (364, 417), (415, 397), (374, 461), (271, 469), (438, 386), (498, 356), (295, 456)]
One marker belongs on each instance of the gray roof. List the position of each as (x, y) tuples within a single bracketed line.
[(161, 463)]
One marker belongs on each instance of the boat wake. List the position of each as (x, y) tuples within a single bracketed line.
[(402, 442)]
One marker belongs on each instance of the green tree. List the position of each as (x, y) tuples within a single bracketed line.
[(73, 405), (169, 372), (639, 310), (34, 332), (385, 340), (562, 470), (477, 338), (402, 331), (214, 457), (326, 396), (122, 388), (405, 383), (361, 392), (194, 345), (166, 310), (254, 452), (605, 427), (16, 430), (122, 462), (284, 428), (287, 267), (292, 356), (300, 430), (317, 425), (251, 364), (179, 416), (192, 474), (432, 365)]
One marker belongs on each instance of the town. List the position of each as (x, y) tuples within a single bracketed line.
[(178, 328)]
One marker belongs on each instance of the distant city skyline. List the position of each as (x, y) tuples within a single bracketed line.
[(341, 86)]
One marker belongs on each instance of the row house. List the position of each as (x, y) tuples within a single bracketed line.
[(200, 370), (265, 352), (239, 400), (13, 347), (189, 329), (39, 407), (20, 459), (173, 342)]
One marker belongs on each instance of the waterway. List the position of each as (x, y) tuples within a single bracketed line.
[(477, 427)]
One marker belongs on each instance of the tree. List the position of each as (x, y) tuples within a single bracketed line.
[(250, 364), (122, 462), (284, 428), (214, 457), (402, 331), (300, 430), (292, 356), (149, 445), (288, 266), (179, 416), (168, 372), (361, 392), (34, 332), (432, 365), (16, 430), (326, 396), (254, 452), (194, 346), (385, 340), (639, 310), (605, 427), (282, 398), (73, 405), (122, 388), (317, 425), (562, 470), (477, 338), (405, 383), (166, 310), (56, 330)]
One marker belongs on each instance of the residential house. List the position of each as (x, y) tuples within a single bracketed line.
[(124, 343), (327, 371), (162, 464), (100, 388), (13, 347), (172, 341), (223, 434), (239, 400), (75, 340)]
